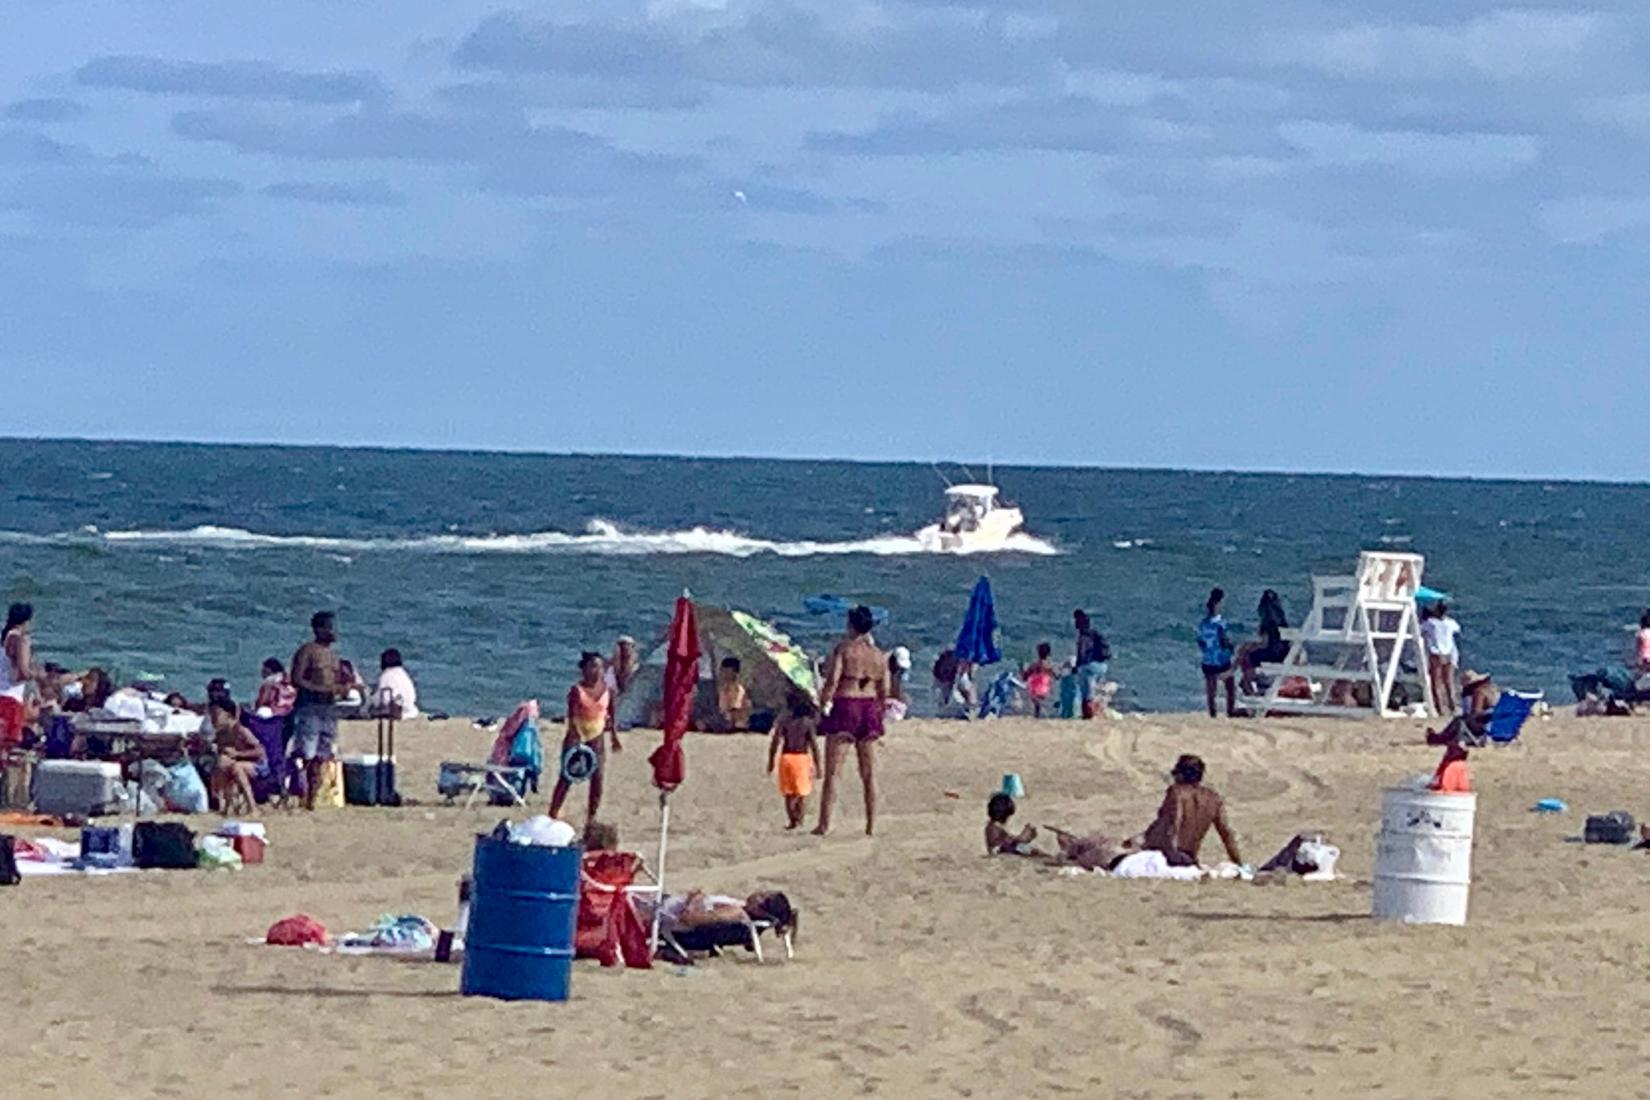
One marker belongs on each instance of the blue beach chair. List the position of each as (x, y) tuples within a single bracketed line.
[(1509, 715)]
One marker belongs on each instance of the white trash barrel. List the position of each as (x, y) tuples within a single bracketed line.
[(1423, 856)]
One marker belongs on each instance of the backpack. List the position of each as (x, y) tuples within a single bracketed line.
[(1615, 827), (9, 875), (163, 845)]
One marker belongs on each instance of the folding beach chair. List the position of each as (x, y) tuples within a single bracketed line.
[(1509, 715), (609, 927)]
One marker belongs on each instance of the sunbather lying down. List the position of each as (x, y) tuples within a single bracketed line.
[(697, 909)]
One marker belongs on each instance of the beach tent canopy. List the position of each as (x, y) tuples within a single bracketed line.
[(770, 664)]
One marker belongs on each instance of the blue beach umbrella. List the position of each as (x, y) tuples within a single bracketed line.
[(977, 641), (1426, 597)]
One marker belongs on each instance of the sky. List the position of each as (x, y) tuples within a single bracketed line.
[(1409, 237)]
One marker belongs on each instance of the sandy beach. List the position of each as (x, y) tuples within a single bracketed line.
[(924, 968)]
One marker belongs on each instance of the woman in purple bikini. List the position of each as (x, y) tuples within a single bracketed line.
[(856, 692)]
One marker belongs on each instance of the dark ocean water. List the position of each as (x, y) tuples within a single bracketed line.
[(492, 571)]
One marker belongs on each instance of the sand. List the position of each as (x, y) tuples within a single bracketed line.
[(924, 968)]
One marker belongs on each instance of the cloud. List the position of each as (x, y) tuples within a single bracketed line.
[(373, 193), (578, 93), (1342, 145), (773, 45), (1630, 111), (1588, 219), (45, 110), (1501, 45), (513, 156), (229, 80), (29, 147), (109, 197), (780, 199), (1067, 123)]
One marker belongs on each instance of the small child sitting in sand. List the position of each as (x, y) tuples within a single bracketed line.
[(998, 840)]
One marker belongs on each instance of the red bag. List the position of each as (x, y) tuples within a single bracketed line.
[(609, 927), (296, 931)]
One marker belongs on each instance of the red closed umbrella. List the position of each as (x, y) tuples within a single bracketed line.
[(681, 684), (669, 763)]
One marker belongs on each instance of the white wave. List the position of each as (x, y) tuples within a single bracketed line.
[(599, 537)]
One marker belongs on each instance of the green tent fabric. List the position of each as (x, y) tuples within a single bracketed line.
[(770, 663)]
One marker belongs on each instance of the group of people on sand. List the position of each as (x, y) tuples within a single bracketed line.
[(1085, 671), (1189, 811), (308, 697)]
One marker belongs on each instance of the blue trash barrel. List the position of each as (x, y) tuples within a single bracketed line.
[(523, 913)]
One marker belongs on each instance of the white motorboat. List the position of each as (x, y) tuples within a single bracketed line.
[(975, 520)]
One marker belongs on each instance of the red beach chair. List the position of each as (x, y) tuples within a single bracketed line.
[(609, 927)]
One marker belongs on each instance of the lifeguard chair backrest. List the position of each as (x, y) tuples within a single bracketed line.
[(1387, 575)]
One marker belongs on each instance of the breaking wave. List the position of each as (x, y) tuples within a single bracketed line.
[(599, 537)]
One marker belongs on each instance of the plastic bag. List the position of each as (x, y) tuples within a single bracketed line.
[(185, 793)]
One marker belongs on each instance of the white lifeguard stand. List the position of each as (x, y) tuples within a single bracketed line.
[(1356, 637)]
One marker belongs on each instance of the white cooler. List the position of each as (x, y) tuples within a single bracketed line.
[(81, 787)]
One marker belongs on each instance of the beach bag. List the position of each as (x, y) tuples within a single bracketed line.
[(8, 861), (163, 845), (1615, 827), (330, 795)]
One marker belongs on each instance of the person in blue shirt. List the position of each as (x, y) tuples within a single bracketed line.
[(1215, 650)]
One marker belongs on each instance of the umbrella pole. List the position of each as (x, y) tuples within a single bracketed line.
[(659, 872)]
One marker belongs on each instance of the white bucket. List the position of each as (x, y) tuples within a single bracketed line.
[(1423, 856)]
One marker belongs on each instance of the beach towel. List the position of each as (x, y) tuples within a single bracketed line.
[(1153, 865), (526, 711)]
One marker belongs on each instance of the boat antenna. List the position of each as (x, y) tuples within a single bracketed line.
[(941, 472), (989, 473)]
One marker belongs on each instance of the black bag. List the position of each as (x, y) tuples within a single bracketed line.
[(1615, 827), (163, 845), (8, 861)]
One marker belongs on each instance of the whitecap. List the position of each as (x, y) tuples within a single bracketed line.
[(599, 537)]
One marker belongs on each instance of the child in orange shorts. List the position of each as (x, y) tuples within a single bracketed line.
[(794, 749)]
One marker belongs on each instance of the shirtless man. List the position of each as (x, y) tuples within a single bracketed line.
[(1188, 812), (315, 673), (855, 695)]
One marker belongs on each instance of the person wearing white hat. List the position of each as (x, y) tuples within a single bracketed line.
[(896, 707), (621, 670)]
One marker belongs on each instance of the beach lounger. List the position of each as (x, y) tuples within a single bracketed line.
[(711, 938)]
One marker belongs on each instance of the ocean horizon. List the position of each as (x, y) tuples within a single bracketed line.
[(492, 570)]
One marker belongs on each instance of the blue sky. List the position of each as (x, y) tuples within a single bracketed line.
[(1290, 236)]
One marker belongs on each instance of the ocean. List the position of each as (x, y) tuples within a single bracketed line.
[(491, 572)]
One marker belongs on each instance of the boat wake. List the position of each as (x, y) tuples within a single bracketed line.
[(599, 537)]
